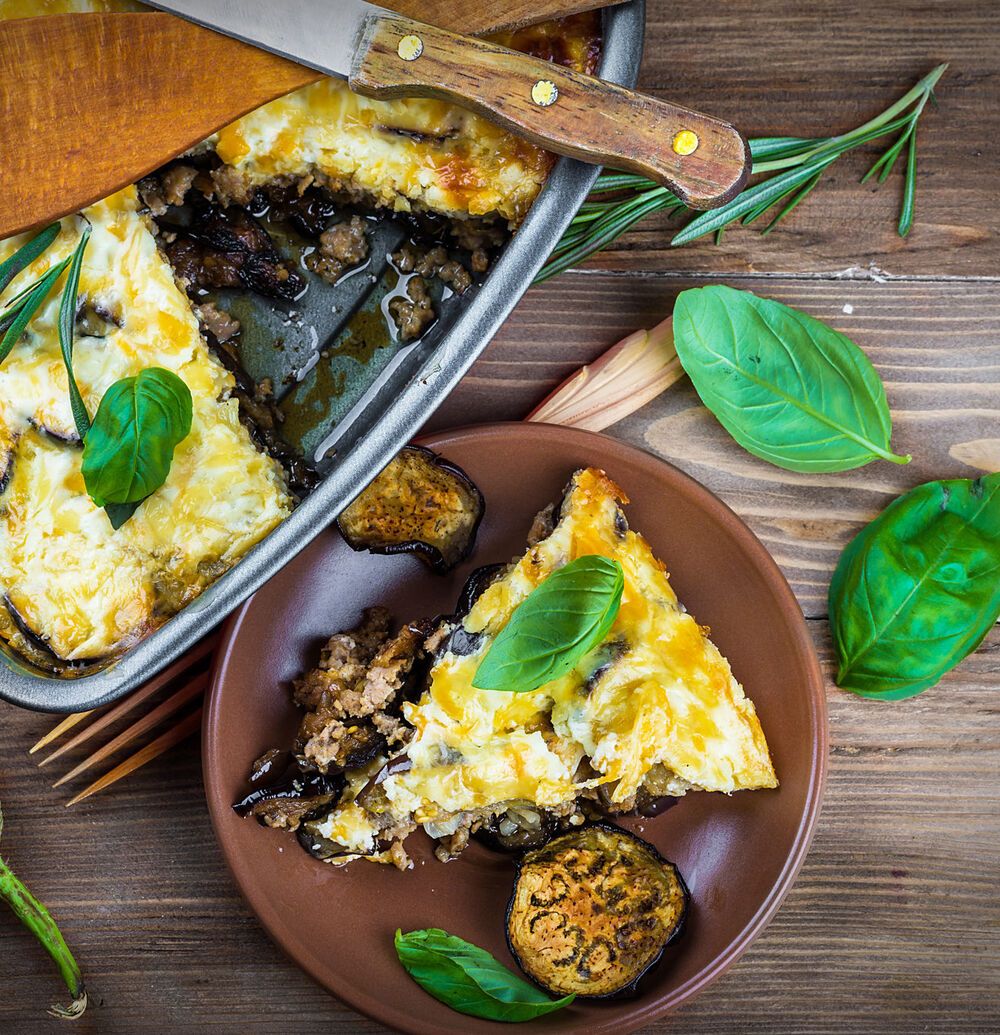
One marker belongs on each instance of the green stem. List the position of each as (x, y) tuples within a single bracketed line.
[(853, 137), (37, 919), (909, 190), (26, 255)]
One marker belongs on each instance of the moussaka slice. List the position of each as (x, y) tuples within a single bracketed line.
[(651, 712), (76, 590)]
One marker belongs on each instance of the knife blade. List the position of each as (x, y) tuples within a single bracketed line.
[(703, 160), (318, 33)]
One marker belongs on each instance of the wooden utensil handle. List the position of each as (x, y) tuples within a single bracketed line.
[(703, 160)]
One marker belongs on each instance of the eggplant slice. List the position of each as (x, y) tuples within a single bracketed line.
[(421, 504), (592, 912)]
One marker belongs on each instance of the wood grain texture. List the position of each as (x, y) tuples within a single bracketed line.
[(813, 69), (583, 117), (893, 925), (175, 83)]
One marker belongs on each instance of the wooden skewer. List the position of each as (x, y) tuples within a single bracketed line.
[(67, 724), (152, 750), (182, 664), (140, 727)]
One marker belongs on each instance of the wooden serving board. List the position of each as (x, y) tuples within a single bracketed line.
[(200, 80)]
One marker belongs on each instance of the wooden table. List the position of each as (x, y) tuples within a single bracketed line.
[(894, 922)]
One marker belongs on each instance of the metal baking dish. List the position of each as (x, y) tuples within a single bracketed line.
[(402, 387)]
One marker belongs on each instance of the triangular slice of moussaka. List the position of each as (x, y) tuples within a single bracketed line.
[(652, 712)]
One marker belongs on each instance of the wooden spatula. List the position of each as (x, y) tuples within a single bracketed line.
[(147, 87)]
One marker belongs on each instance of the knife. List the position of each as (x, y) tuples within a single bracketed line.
[(703, 160)]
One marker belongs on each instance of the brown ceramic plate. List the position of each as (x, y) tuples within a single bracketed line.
[(738, 854)]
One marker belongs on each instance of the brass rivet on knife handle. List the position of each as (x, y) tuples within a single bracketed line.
[(410, 47), (544, 93), (704, 160)]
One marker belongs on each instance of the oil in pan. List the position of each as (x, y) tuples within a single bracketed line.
[(305, 364)]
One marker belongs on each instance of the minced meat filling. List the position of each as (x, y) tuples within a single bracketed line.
[(352, 698), (415, 313), (341, 248)]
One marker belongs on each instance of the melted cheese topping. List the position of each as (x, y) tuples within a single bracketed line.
[(82, 588), (656, 692), (403, 154)]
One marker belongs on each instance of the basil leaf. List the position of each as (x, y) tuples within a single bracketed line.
[(129, 448), (468, 979), (917, 589), (554, 626), (119, 513), (26, 254), (67, 320), (788, 388)]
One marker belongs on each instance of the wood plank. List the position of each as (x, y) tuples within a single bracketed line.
[(803, 70), (892, 926), (937, 349)]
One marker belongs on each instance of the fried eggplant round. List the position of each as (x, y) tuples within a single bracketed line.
[(592, 912), (420, 503)]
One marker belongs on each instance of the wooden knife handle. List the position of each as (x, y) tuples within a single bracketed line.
[(703, 160)]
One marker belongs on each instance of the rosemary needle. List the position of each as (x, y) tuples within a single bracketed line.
[(909, 189), (67, 319)]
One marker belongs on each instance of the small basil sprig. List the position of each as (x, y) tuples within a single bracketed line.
[(468, 979), (554, 626), (129, 448), (787, 387), (917, 589)]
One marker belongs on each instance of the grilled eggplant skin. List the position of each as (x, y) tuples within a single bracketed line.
[(592, 912), (420, 504)]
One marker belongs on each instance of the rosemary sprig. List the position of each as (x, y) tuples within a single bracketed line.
[(26, 255), (22, 310), (791, 167), (67, 318)]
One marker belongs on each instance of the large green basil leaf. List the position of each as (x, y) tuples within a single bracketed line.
[(554, 626), (129, 449), (918, 589), (788, 388), (469, 979)]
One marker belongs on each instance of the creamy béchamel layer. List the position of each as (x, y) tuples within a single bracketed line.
[(83, 589)]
